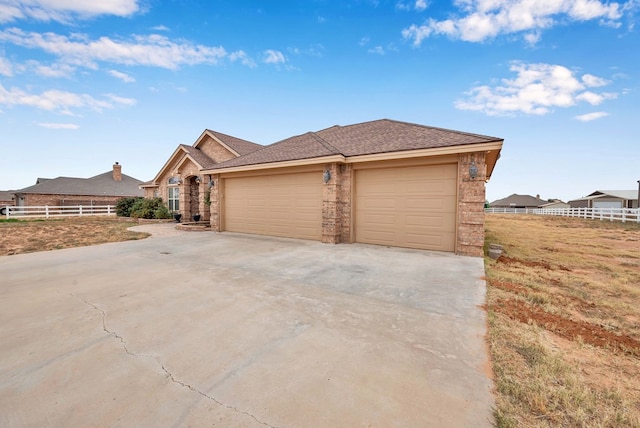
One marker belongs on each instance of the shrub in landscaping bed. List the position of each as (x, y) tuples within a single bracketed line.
[(150, 208), (124, 205)]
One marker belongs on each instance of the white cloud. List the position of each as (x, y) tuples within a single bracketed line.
[(421, 5), (274, 57), (6, 69), (121, 100), (485, 19), (160, 28), (418, 5), (59, 125), (380, 50), (536, 90), (364, 41), (151, 50), (594, 81), (242, 57), (54, 70), (59, 101), (595, 99), (64, 10), (122, 76), (591, 116)]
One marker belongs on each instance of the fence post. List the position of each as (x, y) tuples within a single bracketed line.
[(46, 211)]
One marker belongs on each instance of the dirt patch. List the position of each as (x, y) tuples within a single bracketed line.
[(569, 329), (28, 236), (529, 263)]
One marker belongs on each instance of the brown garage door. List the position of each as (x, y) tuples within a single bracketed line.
[(288, 205), (412, 207)]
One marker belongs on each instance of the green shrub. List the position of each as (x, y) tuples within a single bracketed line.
[(150, 208), (124, 205), (162, 212)]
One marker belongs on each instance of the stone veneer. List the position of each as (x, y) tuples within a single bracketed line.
[(336, 205)]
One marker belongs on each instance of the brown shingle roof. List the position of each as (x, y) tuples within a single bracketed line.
[(519, 201), (379, 136), (239, 145), (201, 159), (303, 146), (100, 185)]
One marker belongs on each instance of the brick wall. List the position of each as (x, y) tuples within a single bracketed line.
[(471, 199), (215, 151)]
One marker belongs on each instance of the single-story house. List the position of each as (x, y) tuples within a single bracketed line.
[(180, 182), (555, 204), (381, 182), (608, 199), (519, 201), (103, 189)]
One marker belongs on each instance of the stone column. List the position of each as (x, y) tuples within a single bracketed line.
[(471, 199), (215, 209), (331, 230)]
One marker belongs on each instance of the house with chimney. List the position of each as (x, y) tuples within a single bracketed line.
[(102, 189)]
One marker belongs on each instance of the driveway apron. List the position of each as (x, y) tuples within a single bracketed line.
[(208, 329)]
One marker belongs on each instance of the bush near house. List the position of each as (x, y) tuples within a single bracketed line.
[(149, 208), (123, 206)]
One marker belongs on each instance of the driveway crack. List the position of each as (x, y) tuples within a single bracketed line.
[(169, 374)]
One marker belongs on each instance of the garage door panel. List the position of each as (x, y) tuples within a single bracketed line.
[(288, 205), (419, 211)]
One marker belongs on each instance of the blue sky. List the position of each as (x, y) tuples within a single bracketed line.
[(85, 84)]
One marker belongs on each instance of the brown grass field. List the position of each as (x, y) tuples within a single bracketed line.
[(564, 323), (563, 308), (28, 236)]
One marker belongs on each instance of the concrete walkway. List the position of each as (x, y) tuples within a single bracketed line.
[(204, 329)]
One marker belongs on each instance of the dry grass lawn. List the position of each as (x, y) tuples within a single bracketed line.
[(28, 236), (564, 321)]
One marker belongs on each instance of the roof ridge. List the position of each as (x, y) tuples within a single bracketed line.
[(324, 143)]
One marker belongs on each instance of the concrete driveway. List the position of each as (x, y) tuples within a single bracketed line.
[(204, 329)]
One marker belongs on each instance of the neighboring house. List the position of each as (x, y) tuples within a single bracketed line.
[(103, 189), (7, 197), (555, 204), (382, 182), (608, 199), (518, 201), (181, 184)]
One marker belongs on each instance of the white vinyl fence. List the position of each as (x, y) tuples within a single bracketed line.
[(48, 211), (611, 214)]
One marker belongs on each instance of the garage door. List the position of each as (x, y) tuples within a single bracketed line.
[(288, 205), (412, 207), (607, 204)]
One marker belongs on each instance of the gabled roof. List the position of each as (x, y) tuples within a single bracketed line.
[(236, 145), (100, 185), (516, 200), (622, 194), (379, 136)]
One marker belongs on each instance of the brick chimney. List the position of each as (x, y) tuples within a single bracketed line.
[(117, 172)]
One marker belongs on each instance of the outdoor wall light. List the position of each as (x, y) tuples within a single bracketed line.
[(473, 170), (326, 176), (211, 183), (198, 179)]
